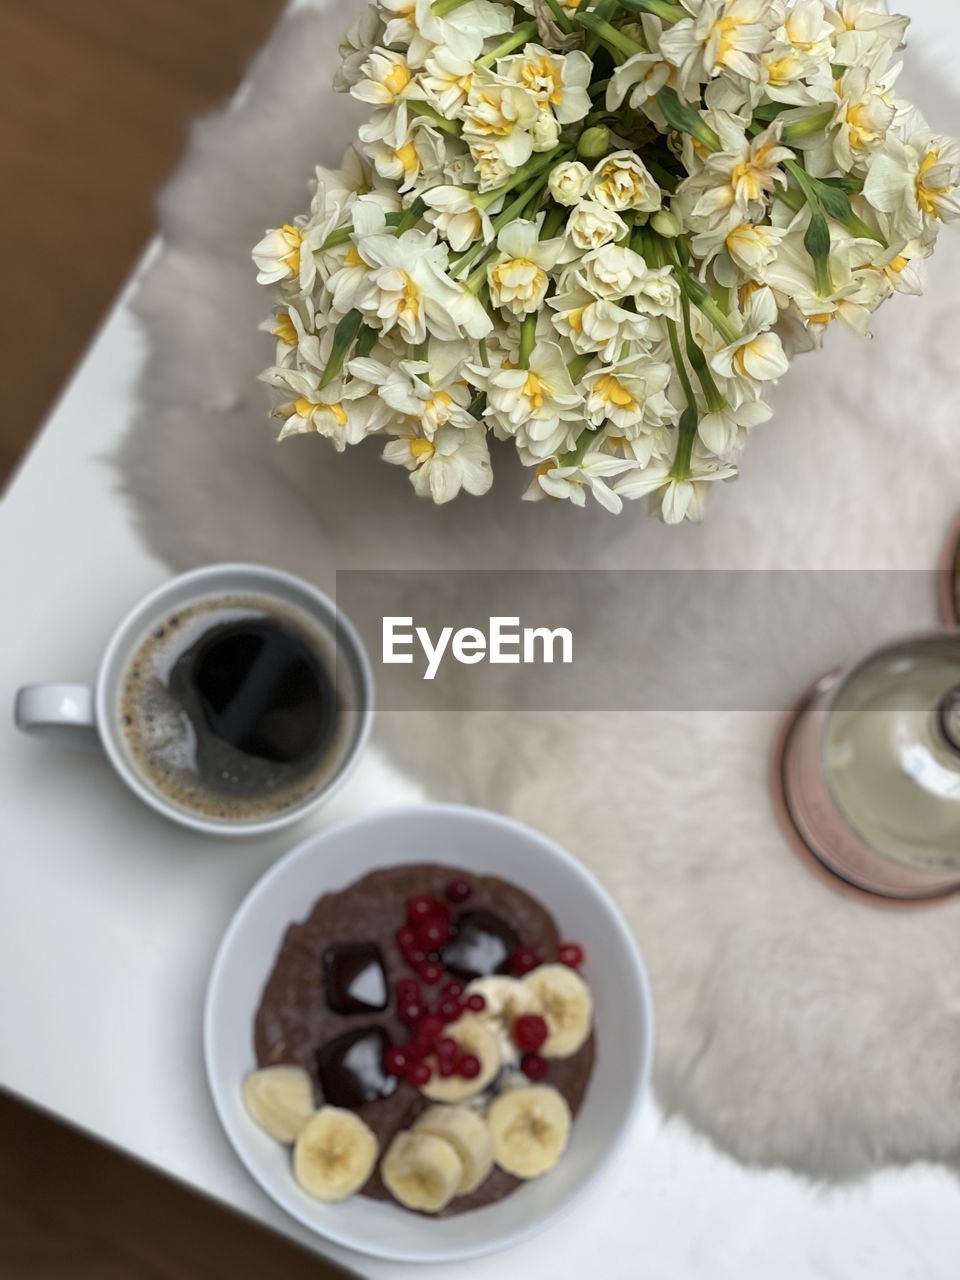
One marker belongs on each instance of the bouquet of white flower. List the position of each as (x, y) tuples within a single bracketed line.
[(599, 230)]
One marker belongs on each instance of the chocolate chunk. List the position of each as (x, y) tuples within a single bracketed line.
[(354, 977), (483, 945), (351, 1068)]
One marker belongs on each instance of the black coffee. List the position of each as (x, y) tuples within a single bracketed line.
[(232, 710)]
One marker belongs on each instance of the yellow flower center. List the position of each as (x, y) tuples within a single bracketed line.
[(353, 258), (410, 304), (307, 408), (422, 449), (927, 196), (543, 79), (575, 319), (499, 126), (286, 330), (726, 29), (442, 400), (610, 389), (397, 79), (293, 238), (534, 389), (407, 155)]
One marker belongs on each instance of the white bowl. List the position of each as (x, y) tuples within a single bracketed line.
[(489, 845)]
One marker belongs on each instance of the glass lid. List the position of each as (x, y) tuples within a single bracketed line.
[(891, 752)]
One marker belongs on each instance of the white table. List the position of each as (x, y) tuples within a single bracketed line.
[(109, 919)]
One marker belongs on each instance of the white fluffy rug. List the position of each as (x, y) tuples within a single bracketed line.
[(795, 1026)]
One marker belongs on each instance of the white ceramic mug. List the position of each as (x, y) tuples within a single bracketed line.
[(90, 715)]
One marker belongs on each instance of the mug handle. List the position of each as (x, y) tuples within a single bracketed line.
[(62, 712)]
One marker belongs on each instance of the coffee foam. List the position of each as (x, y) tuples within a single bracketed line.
[(160, 738)]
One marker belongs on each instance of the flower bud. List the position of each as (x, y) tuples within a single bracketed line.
[(665, 224), (594, 142), (545, 132), (569, 182)]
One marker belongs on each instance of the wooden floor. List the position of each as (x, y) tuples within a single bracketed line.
[(95, 99)]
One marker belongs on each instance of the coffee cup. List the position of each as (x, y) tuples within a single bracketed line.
[(234, 700)]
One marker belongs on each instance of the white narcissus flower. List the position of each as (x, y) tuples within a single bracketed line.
[(747, 251), (724, 431), (642, 76), (454, 459), (545, 131), (457, 218), (345, 411), (569, 182), (356, 47), (447, 79), (758, 355), (613, 271), (556, 81), (631, 394), (430, 392), (680, 498), (462, 30), (539, 406), (555, 479), (915, 181), (519, 278), (864, 29), (418, 159), (720, 36), (591, 226), (622, 181), (594, 324), (407, 286), (498, 113), (742, 175), (386, 78)]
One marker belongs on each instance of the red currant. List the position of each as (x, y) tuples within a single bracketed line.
[(415, 956), (446, 1048), (416, 1050), (433, 934), (533, 1066), (476, 1003), (430, 972), (405, 939), (420, 909), (452, 989), (468, 1066), (411, 1011), (571, 954), (429, 1027), (530, 1032), (419, 1074), (449, 1010), (458, 891), (396, 1061), (524, 959), (407, 990), (446, 1067)]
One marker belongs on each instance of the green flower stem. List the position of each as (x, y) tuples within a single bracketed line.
[(559, 16), (800, 129), (528, 339), (343, 339), (545, 160), (421, 351), (477, 405), (506, 215), (438, 121), (598, 87), (554, 222), (791, 197), (817, 240), (608, 35), (440, 8), (482, 352), (659, 8), (366, 341), (686, 119), (411, 216), (579, 365), (690, 418), (520, 35), (699, 365), (340, 236), (576, 454), (707, 306), (604, 10)]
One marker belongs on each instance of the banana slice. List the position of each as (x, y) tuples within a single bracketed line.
[(280, 1099), (421, 1171), (529, 1128), (467, 1133), (335, 1154), (507, 1000), (567, 1006), (473, 1035)]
